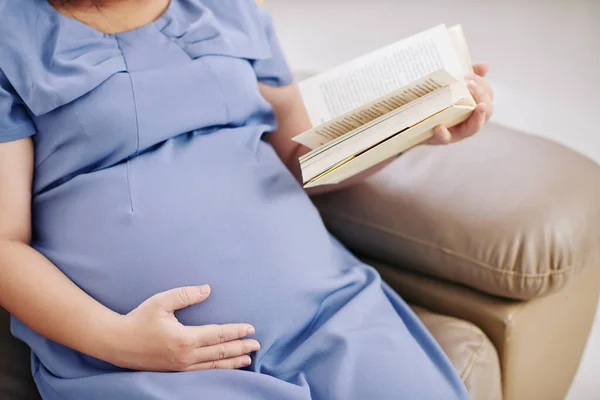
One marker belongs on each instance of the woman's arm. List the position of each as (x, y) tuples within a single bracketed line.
[(31, 287), (293, 119), (42, 297)]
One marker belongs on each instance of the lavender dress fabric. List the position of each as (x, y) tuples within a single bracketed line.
[(152, 172)]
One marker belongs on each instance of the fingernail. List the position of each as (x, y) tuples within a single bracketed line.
[(255, 346), (250, 331), (246, 361), (204, 289)]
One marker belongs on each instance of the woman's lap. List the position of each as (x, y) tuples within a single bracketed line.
[(372, 348)]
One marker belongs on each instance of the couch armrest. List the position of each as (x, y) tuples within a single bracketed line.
[(504, 212), (539, 342)]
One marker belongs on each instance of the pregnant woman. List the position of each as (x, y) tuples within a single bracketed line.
[(152, 228)]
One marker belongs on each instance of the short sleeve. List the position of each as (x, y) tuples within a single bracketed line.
[(274, 70), (14, 120)]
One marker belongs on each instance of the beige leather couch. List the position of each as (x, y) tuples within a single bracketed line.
[(495, 240)]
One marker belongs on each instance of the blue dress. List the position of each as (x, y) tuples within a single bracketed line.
[(152, 172)]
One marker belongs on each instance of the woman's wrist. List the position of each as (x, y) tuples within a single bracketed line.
[(107, 337)]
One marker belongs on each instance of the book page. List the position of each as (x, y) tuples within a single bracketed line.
[(363, 115), (459, 41), (369, 77)]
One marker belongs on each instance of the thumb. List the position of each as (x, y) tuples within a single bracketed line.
[(176, 299)]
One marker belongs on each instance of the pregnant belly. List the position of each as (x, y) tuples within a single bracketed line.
[(203, 209)]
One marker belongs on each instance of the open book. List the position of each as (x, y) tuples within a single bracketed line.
[(379, 105)]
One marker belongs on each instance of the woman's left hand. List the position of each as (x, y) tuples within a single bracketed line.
[(484, 96)]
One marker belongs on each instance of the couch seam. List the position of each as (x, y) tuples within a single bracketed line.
[(452, 252), (466, 373)]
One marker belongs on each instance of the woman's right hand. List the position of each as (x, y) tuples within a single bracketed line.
[(150, 338)]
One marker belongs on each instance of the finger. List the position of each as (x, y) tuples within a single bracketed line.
[(471, 126), (477, 91), (209, 335), (482, 82), (182, 297), (231, 363), (481, 96), (225, 351), (489, 110), (441, 135), (481, 69)]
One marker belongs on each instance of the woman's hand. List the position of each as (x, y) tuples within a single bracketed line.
[(484, 96), (150, 338)]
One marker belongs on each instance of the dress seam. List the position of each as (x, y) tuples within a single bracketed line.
[(137, 125), (13, 129), (221, 91)]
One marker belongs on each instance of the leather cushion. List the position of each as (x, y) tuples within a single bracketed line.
[(16, 382), (504, 212), (469, 350)]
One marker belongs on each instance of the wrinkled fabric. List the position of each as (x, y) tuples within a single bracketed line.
[(152, 172)]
